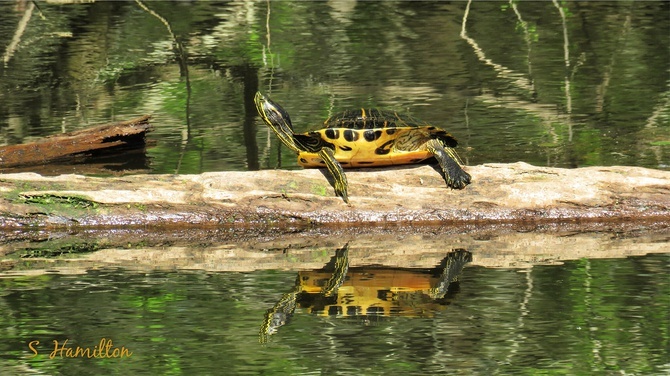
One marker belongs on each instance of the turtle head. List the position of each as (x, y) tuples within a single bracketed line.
[(277, 119), (271, 112)]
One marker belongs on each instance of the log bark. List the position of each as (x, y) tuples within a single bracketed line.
[(66, 147), (283, 201)]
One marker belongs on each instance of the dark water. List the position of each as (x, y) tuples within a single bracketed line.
[(505, 85), (607, 316)]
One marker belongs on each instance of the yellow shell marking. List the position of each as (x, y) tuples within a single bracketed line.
[(372, 147)]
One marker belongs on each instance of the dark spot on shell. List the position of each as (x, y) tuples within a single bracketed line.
[(365, 162), (350, 135), (431, 128), (449, 141), (390, 131), (371, 135), (333, 134), (322, 162), (303, 160), (385, 148), (345, 148)]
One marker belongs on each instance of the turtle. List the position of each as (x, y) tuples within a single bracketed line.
[(365, 138)]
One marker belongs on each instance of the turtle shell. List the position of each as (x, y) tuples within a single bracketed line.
[(372, 137), (371, 119)]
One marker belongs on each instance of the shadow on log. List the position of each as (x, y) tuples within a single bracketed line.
[(92, 150)]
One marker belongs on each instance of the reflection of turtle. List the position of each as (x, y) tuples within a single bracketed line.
[(282, 311), (363, 138), (367, 292)]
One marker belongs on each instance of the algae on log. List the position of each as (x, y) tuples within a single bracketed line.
[(516, 193), (58, 148)]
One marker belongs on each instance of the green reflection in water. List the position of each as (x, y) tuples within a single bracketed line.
[(586, 316), (497, 75)]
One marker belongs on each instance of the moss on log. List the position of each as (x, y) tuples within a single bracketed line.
[(518, 194)]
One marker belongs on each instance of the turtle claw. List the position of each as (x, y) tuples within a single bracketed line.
[(342, 192), (454, 175), (461, 180)]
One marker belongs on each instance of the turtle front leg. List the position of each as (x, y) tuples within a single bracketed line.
[(453, 173), (340, 265), (335, 168)]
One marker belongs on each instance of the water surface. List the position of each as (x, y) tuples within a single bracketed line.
[(599, 316), (560, 84), (564, 84)]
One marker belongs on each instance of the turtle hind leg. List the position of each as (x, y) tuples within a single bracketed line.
[(336, 172), (446, 157), (451, 267)]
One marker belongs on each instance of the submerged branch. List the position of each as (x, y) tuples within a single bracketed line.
[(601, 89), (663, 106), (182, 57), (21, 28), (526, 34), (566, 59), (516, 78)]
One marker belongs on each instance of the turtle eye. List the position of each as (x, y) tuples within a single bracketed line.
[(270, 107)]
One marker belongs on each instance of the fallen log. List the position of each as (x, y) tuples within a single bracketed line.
[(113, 162), (282, 201), (72, 146)]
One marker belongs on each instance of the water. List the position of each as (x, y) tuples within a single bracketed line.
[(504, 85), (599, 316)]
